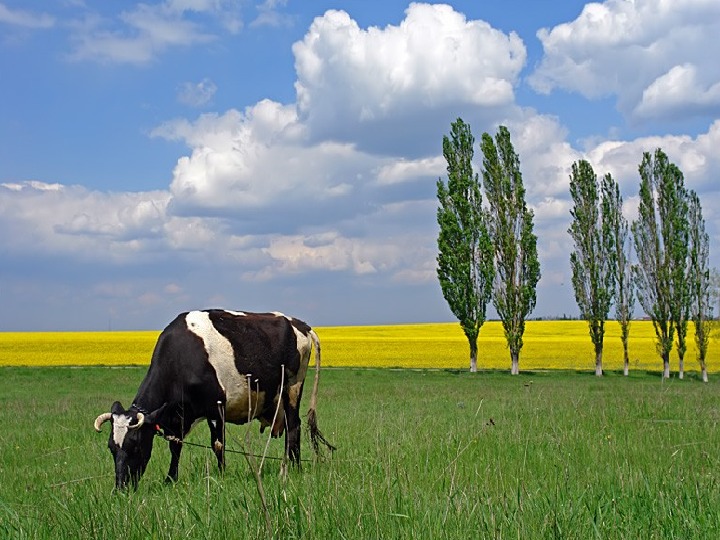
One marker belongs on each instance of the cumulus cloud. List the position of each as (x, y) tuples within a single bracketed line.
[(546, 158), (320, 252), (324, 203), (333, 252), (351, 78), (71, 219), (277, 168), (341, 184), (269, 168), (695, 156), (630, 49), (545, 154), (679, 92), (407, 170), (257, 167)]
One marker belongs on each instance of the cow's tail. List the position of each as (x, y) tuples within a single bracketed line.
[(316, 436)]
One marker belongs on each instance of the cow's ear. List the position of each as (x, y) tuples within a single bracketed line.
[(155, 416), (117, 408)]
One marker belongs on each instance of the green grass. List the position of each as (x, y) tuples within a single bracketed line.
[(421, 454)]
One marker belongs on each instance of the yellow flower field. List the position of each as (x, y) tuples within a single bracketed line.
[(76, 348), (548, 345)]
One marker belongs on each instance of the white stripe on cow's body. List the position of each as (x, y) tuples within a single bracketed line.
[(221, 357), (121, 424)]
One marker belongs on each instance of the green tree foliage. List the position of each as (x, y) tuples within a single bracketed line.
[(510, 224), (661, 238), (592, 278), (618, 245), (465, 253), (699, 280)]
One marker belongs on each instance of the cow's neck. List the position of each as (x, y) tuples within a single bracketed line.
[(150, 396)]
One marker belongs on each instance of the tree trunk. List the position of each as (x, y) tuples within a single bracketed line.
[(681, 367), (598, 363), (666, 365), (515, 357), (626, 360), (704, 373), (473, 355)]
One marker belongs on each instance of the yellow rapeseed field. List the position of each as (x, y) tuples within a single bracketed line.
[(548, 345), (76, 348)]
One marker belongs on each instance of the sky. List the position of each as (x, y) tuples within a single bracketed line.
[(283, 155)]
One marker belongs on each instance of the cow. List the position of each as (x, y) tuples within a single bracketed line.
[(221, 366)]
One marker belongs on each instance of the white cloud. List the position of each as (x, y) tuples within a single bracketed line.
[(360, 256), (324, 252), (545, 155), (270, 161), (270, 14), (258, 166), (140, 34), (405, 170), (196, 94), (435, 58), (340, 206), (696, 157), (545, 160), (624, 48), (51, 218), (25, 19), (333, 187), (678, 92)]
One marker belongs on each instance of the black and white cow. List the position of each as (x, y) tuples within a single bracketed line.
[(222, 366)]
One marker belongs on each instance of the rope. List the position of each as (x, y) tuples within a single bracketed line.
[(172, 438)]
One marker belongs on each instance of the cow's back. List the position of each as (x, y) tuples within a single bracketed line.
[(247, 352)]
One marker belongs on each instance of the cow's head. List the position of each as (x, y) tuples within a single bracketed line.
[(130, 442)]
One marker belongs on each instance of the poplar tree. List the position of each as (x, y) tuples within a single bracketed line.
[(465, 254), (592, 278), (660, 235), (510, 224), (619, 247), (699, 280)]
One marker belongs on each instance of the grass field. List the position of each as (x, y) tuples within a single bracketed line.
[(548, 345), (421, 454)]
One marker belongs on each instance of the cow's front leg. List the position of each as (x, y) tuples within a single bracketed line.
[(175, 449), (217, 440)]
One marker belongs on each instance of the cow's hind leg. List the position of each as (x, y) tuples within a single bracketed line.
[(175, 449), (292, 424), (217, 440)]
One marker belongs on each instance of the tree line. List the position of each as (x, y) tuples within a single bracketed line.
[(488, 252)]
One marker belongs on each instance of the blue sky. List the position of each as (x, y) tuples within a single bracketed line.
[(282, 155)]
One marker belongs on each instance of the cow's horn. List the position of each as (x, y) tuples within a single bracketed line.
[(100, 420), (140, 421)]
